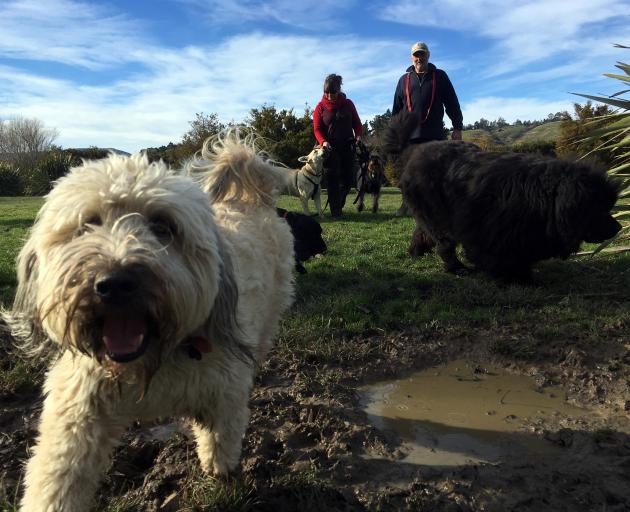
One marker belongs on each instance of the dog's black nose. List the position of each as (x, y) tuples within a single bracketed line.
[(116, 285)]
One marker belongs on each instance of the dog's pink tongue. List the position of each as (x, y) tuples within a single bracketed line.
[(123, 334)]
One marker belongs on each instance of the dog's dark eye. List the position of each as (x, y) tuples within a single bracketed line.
[(92, 220), (164, 229), (95, 220)]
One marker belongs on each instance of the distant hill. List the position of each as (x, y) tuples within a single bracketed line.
[(546, 132), (94, 148), (514, 134)]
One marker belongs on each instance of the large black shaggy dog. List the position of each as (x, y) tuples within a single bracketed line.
[(507, 210)]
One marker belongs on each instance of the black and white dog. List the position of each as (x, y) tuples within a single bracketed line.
[(307, 237)]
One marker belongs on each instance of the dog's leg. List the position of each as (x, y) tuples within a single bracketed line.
[(304, 201), (446, 250), (77, 433), (421, 242), (403, 210), (361, 204), (375, 197), (318, 204), (219, 435)]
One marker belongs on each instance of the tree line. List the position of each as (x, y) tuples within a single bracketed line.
[(30, 161)]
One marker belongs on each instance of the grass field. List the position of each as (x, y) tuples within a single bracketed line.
[(367, 282), (514, 134), (16, 216)]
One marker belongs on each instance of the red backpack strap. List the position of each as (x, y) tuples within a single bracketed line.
[(407, 91), (433, 87)]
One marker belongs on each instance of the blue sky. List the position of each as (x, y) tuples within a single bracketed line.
[(132, 74)]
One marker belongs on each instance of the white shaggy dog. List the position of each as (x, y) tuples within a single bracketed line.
[(305, 182), (160, 298)]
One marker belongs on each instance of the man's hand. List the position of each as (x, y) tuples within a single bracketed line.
[(456, 135)]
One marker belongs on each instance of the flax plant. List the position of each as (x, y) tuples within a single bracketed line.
[(613, 132)]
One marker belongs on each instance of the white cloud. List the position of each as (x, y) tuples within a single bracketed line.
[(524, 32), (67, 32), (306, 14), (154, 105)]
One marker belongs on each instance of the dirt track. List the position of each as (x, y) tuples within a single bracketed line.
[(310, 447)]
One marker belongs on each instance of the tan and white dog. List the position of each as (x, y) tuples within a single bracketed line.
[(305, 182), (160, 296)]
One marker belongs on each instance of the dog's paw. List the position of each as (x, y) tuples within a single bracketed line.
[(224, 465), (417, 250), (217, 466), (220, 469)]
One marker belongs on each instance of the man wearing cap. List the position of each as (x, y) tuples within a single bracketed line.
[(427, 91)]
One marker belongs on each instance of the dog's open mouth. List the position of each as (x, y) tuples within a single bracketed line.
[(125, 336)]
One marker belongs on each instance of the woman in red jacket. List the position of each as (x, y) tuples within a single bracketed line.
[(337, 124)]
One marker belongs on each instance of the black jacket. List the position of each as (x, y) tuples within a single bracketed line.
[(421, 95)]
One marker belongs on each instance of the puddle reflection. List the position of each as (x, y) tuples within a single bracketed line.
[(461, 413)]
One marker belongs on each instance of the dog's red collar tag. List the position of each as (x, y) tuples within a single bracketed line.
[(197, 346)]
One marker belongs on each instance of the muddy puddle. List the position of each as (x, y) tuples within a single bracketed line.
[(463, 413)]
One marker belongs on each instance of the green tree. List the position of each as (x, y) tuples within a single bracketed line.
[(284, 136), (201, 128)]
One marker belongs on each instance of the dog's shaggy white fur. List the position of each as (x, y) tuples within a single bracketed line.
[(160, 298), (305, 182)]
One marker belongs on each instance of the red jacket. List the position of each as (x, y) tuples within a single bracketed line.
[(336, 121)]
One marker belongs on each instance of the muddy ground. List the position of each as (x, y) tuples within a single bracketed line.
[(310, 447)]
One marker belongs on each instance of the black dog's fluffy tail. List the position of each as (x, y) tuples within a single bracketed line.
[(396, 137)]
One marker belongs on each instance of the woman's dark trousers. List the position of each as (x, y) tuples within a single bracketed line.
[(339, 173)]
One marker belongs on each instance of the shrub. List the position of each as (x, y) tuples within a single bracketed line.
[(574, 140), (78, 155), (392, 170), (10, 181), (36, 182), (608, 134), (543, 147), (55, 164)]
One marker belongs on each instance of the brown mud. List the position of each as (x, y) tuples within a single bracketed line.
[(310, 444)]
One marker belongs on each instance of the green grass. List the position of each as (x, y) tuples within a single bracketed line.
[(515, 134), (16, 216), (366, 282), (543, 132)]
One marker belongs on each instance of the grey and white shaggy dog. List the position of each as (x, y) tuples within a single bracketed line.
[(160, 294), (507, 210)]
